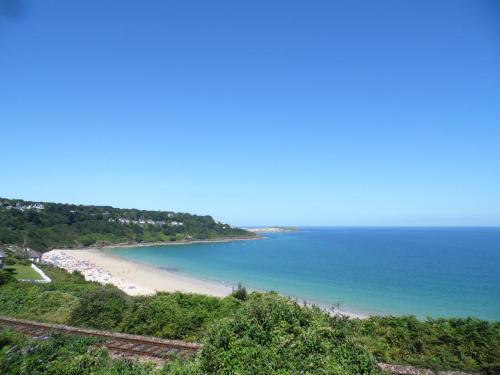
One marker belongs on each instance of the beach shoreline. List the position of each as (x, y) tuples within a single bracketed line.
[(131, 277), (136, 278)]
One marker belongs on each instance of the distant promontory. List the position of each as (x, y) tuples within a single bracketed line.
[(274, 229)]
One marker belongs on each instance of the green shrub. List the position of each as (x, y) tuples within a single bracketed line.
[(6, 277), (31, 301), (16, 299), (54, 306), (240, 292), (271, 334), (461, 344), (101, 309), (10, 261), (73, 283), (63, 355), (176, 315), (10, 337)]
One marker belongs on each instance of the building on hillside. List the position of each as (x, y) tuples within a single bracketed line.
[(2, 259), (32, 255), (3, 256)]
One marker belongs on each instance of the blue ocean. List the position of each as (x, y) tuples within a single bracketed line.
[(438, 272)]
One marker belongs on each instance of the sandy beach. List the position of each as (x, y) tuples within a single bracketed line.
[(132, 278)]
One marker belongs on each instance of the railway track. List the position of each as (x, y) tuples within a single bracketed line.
[(118, 343)]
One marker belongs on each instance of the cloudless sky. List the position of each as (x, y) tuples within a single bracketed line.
[(256, 112)]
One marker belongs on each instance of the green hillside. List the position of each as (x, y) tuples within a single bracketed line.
[(43, 226)]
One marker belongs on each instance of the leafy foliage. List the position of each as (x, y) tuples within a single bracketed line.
[(176, 315), (104, 308), (53, 302), (271, 334), (62, 355), (466, 344), (6, 277), (240, 292), (28, 301), (67, 225)]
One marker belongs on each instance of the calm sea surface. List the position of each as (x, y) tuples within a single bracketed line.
[(421, 271)]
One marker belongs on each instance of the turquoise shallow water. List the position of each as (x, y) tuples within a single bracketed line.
[(421, 271)]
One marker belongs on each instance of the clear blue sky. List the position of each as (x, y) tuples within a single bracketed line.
[(256, 112)]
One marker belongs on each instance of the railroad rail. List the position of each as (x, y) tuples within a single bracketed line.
[(117, 343)]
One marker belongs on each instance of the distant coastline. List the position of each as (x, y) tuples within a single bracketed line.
[(162, 243), (274, 229)]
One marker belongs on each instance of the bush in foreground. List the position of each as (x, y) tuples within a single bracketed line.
[(271, 334), (62, 355), (104, 308), (6, 277), (454, 344), (176, 315), (240, 292)]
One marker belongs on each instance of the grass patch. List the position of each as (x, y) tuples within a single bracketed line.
[(22, 272)]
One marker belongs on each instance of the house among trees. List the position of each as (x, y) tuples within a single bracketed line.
[(32, 255), (2, 259)]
